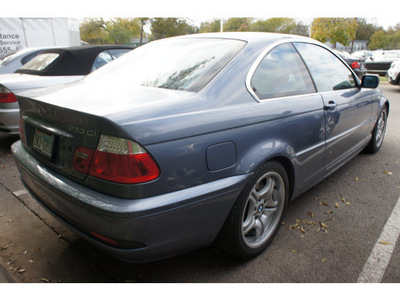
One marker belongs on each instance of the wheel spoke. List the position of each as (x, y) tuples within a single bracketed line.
[(259, 228), (248, 226), (265, 192)]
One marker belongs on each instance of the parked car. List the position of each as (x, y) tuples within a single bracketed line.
[(380, 62), (50, 67), (195, 141), (362, 54), (13, 62), (394, 73), (357, 64)]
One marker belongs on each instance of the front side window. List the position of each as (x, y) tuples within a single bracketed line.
[(329, 73), (40, 62), (281, 73), (180, 64)]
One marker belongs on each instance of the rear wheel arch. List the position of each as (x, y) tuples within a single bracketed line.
[(289, 168)]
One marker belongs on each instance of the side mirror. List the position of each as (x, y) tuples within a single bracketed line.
[(370, 81)]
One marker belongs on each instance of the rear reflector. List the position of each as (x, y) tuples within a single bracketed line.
[(104, 238), (117, 160), (6, 96)]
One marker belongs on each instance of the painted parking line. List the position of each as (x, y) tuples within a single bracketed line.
[(379, 259)]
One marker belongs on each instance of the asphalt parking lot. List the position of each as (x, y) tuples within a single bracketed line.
[(345, 229)]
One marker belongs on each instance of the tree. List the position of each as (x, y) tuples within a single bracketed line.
[(335, 30), (365, 30), (389, 39), (280, 25), (167, 27), (237, 24), (214, 26), (114, 31), (93, 31), (143, 22), (121, 31)]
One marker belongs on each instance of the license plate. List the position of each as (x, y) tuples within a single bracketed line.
[(43, 142)]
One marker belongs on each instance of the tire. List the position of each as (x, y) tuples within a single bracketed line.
[(378, 133), (257, 214)]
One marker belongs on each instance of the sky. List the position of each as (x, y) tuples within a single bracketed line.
[(202, 10)]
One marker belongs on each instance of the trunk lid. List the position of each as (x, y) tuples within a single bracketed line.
[(52, 133), (56, 121)]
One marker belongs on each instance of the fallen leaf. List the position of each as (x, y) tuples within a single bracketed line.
[(326, 203), (44, 280), (356, 179), (336, 205), (293, 251), (323, 260), (389, 173), (384, 243), (311, 214), (21, 271)]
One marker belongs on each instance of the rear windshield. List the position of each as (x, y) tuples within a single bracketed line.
[(40, 62), (180, 64)]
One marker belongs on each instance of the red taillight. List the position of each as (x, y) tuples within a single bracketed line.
[(6, 96), (117, 160), (355, 65)]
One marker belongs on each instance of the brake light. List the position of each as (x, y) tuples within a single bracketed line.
[(117, 160), (6, 96), (355, 65)]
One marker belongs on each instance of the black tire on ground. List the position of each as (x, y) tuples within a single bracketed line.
[(257, 213), (378, 133)]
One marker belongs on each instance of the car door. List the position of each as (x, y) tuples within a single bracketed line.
[(347, 107), (284, 87)]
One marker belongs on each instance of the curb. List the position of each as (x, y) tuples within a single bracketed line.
[(4, 276)]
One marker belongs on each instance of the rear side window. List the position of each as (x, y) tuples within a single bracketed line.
[(329, 73), (281, 73), (101, 59), (40, 62), (115, 53), (27, 58)]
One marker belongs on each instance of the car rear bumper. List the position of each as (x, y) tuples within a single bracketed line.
[(9, 120), (145, 229)]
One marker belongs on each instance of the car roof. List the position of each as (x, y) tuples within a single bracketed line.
[(250, 37), (72, 60)]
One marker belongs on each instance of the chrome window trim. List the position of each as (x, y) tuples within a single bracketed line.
[(291, 41)]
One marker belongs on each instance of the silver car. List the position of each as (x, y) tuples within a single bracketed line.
[(49, 68)]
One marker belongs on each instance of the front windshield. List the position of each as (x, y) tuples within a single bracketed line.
[(180, 64)]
